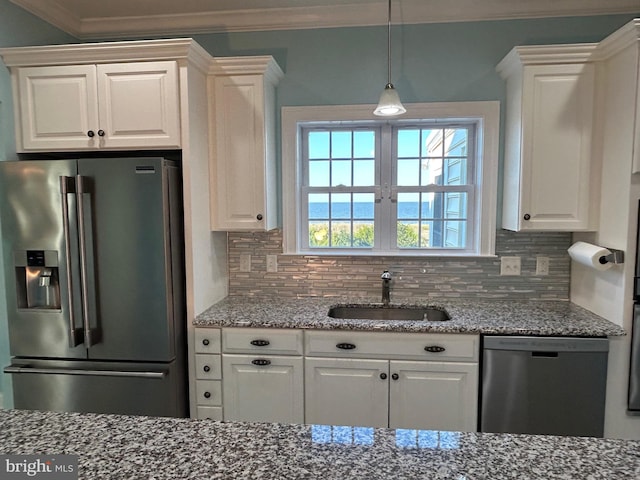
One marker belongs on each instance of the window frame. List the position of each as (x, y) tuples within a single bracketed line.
[(486, 115)]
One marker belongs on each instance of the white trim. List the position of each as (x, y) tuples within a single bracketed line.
[(310, 14), (488, 114)]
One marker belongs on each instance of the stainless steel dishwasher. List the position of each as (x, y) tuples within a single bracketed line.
[(544, 385)]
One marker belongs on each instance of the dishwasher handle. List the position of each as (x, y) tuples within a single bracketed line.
[(546, 344)]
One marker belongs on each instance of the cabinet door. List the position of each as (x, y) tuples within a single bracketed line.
[(558, 102), (255, 391), (239, 163), (139, 105), (346, 392), (433, 396), (58, 108)]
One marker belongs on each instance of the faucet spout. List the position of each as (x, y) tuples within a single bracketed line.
[(386, 288)]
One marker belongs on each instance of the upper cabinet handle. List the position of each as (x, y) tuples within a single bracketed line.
[(101, 133), (91, 134)]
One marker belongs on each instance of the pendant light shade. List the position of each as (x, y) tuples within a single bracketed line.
[(389, 104)]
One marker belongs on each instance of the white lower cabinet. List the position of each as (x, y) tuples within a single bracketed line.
[(264, 388), (435, 389)]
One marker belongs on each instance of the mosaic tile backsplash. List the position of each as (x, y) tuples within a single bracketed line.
[(321, 276)]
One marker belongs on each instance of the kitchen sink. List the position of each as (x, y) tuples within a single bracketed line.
[(368, 312)]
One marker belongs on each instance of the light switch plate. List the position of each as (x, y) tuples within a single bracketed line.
[(509, 265), (245, 262), (272, 263), (542, 265)]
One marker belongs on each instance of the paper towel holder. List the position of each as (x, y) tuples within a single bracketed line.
[(615, 257)]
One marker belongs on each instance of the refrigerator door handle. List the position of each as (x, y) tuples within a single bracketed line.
[(82, 187), (94, 373), (67, 186)]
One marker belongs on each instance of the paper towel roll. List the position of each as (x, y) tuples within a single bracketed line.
[(589, 255)]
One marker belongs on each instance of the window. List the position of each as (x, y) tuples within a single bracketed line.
[(422, 184)]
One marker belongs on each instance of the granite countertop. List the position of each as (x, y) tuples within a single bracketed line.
[(125, 447), (515, 317)]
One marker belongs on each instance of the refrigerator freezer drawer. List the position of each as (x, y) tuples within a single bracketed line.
[(156, 389)]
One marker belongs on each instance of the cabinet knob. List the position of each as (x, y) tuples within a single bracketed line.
[(346, 346), (527, 216), (101, 133), (207, 394), (261, 362), (205, 342), (434, 349), (259, 343), (383, 376), (207, 368), (91, 134), (259, 216), (395, 376)]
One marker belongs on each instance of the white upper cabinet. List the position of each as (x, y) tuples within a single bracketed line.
[(106, 106), (548, 135), (243, 143)]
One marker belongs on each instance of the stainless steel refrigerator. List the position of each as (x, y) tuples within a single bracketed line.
[(93, 256)]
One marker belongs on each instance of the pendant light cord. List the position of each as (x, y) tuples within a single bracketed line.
[(389, 44)]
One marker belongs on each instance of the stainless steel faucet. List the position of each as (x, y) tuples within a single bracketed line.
[(386, 288)]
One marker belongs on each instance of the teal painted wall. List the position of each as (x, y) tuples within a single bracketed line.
[(17, 28)]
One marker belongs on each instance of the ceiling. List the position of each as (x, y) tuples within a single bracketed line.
[(101, 19)]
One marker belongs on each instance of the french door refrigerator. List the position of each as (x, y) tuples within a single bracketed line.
[(93, 258)]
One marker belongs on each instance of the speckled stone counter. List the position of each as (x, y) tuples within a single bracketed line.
[(517, 317), (113, 447)]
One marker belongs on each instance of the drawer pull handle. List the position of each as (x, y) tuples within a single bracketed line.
[(205, 342), (207, 394), (260, 343), (261, 362), (434, 349), (346, 346), (207, 368)]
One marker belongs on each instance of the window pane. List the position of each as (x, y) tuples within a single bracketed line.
[(364, 173), (363, 234), (364, 144), (341, 205), (456, 142), (341, 173), (319, 173), (340, 234), (455, 234), (408, 206), (455, 205), (318, 206), (428, 201), (318, 234), (341, 144), (431, 172), (432, 142), (408, 143), (407, 234), (455, 171), (363, 205), (318, 144), (408, 172)]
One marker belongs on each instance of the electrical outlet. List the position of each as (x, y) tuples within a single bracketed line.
[(245, 262), (509, 265), (542, 265), (272, 263)]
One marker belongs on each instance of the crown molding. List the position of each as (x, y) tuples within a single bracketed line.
[(545, 55), (251, 65), (624, 37), (89, 53), (318, 16)]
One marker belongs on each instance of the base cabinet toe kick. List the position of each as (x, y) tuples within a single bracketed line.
[(371, 379)]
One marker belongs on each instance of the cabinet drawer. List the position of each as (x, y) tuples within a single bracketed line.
[(211, 413), (207, 340), (208, 367), (262, 340), (410, 346), (208, 392)]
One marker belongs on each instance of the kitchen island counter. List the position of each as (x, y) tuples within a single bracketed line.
[(110, 447), (501, 317)]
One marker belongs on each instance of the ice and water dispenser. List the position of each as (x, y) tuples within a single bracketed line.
[(37, 279)]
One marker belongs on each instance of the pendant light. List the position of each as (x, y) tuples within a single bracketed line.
[(389, 104)]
